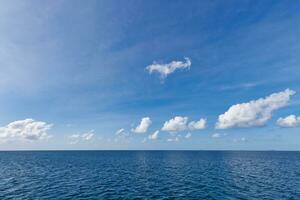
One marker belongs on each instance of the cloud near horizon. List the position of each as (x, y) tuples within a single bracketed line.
[(197, 125), (179, 123), (27, 129), (143, 126), (176, 124), (253, 113), (290, 121), (154, 136), (88, 136), (166, 69)]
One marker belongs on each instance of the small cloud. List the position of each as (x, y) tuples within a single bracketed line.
[(27, 129), (242, 85), (166, 69), (188, 136), (176, 124), (154, 136), (290, 121), (76, 138), (243, 139), (197, 125), (143, 126), (144, 140), (216, 135), (176, 139), (253, 113), (120, 131), (180, 123)]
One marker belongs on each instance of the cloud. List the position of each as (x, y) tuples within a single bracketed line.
[(144, 140), (197, 125), (289, 121), (254, 113), (216, 135), (243, 139), (241, 86), (188, 136), (165, 69), (180, 123), (143, 126), (176, 139), (120, 131), (176, 124), (27, 129), (75, 138), (154, 136)]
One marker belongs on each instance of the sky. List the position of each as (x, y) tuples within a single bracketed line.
[(158, 75)]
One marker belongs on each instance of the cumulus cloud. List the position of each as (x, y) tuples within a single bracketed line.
[(289, 121), (254, 113), (27, 129), (143, 126), (176, 124), (180, 123), (75, 138), (197, 125), (165, 69), (154, 136)]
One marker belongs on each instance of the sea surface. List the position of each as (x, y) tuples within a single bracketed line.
[(149, 175)]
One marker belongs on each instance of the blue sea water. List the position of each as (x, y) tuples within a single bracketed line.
[(149, 175)]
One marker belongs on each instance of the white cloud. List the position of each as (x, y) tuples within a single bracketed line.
[(289, 121), (254, 113), (75, 138), (154, 136), (143, 126), (120, 131), (27, 129), (144, 140), (180, 123), (176, 124), (216, 135), (176, 139), (197, 125), (188, 136), (165, 69), (243, 139)]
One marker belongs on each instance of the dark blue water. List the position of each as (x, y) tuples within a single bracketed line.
[(150, 175)]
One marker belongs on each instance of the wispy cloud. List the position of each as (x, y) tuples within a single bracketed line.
[(76, 138), (166, 69), (216, 135), (154, 136), (188, 136), (175, 139), (241, 86)]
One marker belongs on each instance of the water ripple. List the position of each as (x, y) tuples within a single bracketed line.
[(149, 175)]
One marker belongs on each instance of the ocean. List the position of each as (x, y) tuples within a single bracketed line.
[(149, 175)]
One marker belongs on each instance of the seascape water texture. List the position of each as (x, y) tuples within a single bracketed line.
[(149, 175)]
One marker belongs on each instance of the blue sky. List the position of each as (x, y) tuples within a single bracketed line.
[(73, 73)]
